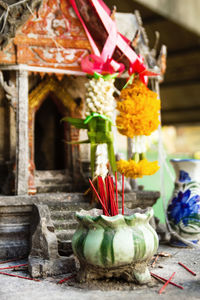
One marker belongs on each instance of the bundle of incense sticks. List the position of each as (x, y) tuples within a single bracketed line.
[(108, 195)]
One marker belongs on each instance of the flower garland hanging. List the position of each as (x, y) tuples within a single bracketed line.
[(99, 110), (138, 118), (134, 169), (100, 105), (139, 110)]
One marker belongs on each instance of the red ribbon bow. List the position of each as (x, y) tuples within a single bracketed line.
[(93, 63), (103, 62), (139, 68)]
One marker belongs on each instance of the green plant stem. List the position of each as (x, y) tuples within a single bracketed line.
[(136, 157)]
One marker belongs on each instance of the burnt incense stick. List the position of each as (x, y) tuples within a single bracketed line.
[(166, 283), (193, 273), (154, 261), (164, 280)]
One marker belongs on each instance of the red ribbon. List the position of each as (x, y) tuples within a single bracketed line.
[(103, 62), (93, 63), (139, 68)]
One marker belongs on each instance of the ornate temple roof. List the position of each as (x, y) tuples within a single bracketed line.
[(51, 37)]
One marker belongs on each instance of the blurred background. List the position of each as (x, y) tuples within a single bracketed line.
[(178, 23)]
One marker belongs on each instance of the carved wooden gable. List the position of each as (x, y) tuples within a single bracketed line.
[(52, 38)]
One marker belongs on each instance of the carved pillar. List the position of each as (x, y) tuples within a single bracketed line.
[(22, 150), (75, 159)]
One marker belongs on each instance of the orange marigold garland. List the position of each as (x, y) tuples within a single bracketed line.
[(138, 118), (139, 110), (134, 169)]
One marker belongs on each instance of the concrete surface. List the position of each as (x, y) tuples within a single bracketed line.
[(19, 289), (183, 12)]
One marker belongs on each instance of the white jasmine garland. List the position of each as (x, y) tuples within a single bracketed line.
[(99, 99), (140, 144), (99, 96)]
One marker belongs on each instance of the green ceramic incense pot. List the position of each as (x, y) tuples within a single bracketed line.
[(118, 246)]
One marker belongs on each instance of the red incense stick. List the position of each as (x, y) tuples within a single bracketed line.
[(98, 196), (109, 196), (116, 191), (115, 201), (163, 279), (66, 279), (193, 273), (18, 276), (12, 267), (112, 197), (122, 194), (166, 283), (107, 193), (102, 194), (10, 260)]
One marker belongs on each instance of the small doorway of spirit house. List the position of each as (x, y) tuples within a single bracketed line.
[(49, 137), (51, 151)]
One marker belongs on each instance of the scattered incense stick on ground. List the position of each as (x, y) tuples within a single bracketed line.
[(66, 279), (25, 268), (164, 280), (193, 273), (160, 254), (11, 260), (164, 254), (18, 276), (13, 267), (166, 283), (154, 261)]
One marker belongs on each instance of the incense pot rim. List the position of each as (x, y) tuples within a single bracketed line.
[(131, 217)]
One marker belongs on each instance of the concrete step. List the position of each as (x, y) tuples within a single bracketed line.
[(12, 228), (18, 248), (62, 224), (63, 215), (68, 206), (54, 188), (63, 235), (50, 176), (65, 247), (53, 181)]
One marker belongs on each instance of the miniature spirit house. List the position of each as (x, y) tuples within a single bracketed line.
[(36, 71), (42, 82)]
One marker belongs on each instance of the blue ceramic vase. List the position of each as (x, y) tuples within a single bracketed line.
[(184, 208)]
